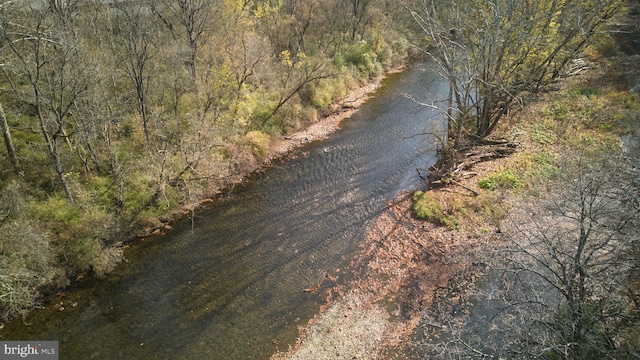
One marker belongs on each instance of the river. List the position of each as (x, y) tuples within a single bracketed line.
[(230, 284)]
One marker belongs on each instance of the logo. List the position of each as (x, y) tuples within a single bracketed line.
[(29, 350)]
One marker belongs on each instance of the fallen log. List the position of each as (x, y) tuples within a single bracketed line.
[(451, 181), (456, 166)]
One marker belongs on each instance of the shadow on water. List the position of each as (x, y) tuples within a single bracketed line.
[(231, 286)]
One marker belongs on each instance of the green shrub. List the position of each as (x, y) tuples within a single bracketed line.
[(491, 208), (79, 230), (106, 260), (505, 180), (391, 49), (363, 58), (102, 190), (11, 201), (260, 142), (319, 95), (138, 193), (79, 253)]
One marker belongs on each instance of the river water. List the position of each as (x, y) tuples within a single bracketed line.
[(230, 284)]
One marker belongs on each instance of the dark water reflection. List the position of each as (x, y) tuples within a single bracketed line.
[(230, 286)]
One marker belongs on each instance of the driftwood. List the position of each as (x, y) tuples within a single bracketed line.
[(447, 181), (454, 165), (485, 153)]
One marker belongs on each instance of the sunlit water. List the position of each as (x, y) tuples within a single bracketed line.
[(230, 284)]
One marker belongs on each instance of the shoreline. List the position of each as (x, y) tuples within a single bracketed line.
[(149, 228), (282, 147), (378, 311), (326, 126)]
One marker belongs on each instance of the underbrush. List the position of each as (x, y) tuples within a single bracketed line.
[(585, 119), (567, 134), (460, 211), (28, 264)]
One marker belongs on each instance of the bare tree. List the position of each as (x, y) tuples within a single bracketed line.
[(245, 50), (301, 15), (580, 248), (490, 52), (45, 54), (188, 19), (360, 18), (560, 288), (135, 41)]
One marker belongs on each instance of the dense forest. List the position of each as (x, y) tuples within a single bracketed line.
[(117, 112)]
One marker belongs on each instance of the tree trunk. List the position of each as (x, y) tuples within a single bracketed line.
[(145, 120), (52, 146), (8, 142), (55, 157)]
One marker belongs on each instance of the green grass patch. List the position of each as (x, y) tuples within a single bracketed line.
[(544, 132), (545, 165), (500, 180), (544, 157), (559, 110), (588, 92), (455, 211), (428, 208), (594, 142), (58, 210)]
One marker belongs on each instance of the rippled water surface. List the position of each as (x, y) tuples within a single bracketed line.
[(230, 285)]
